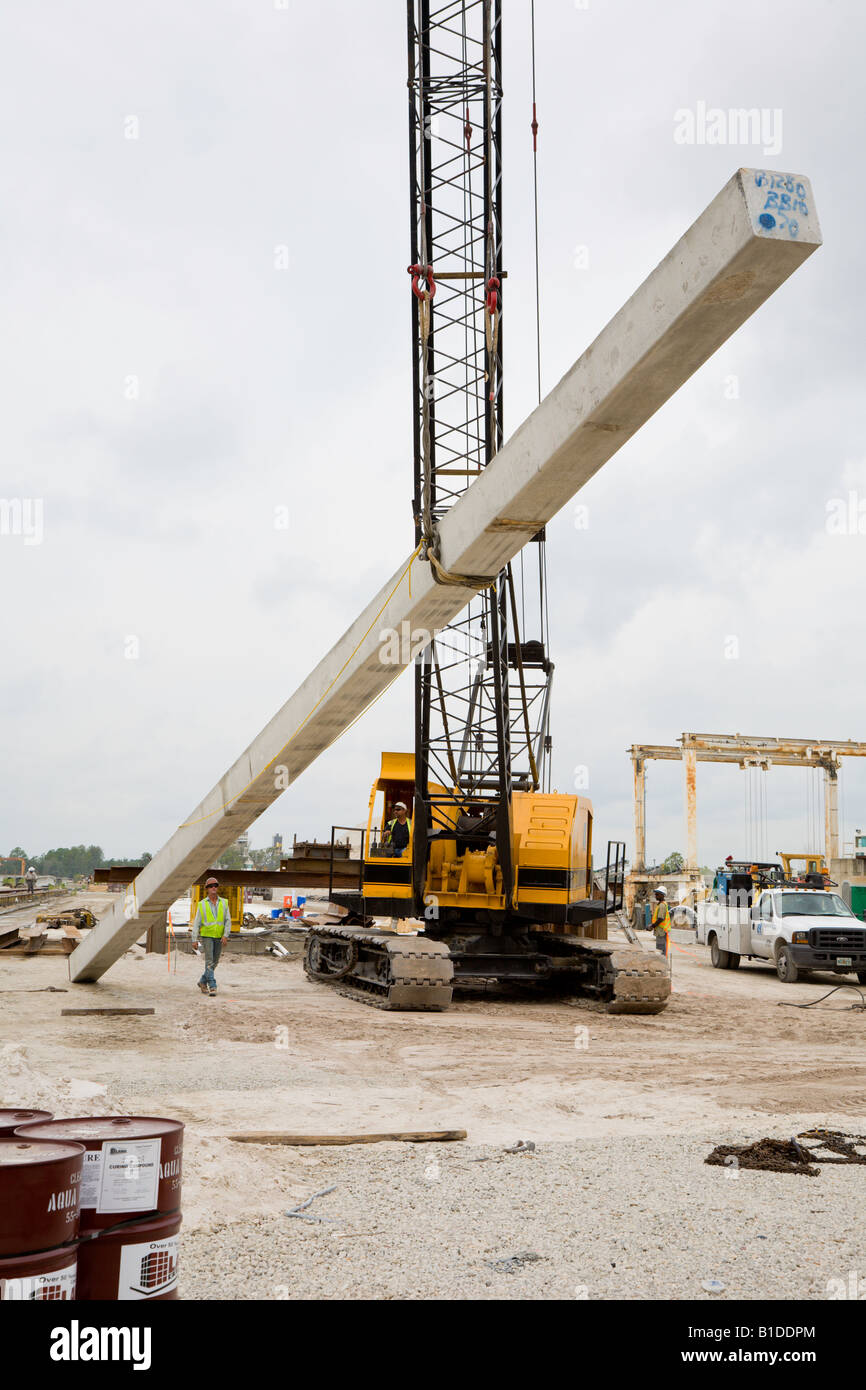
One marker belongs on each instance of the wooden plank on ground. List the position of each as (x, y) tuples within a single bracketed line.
[(104, 1013), (28, 950), (403, 1136)]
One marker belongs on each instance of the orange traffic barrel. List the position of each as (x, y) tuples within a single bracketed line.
[(40, 1188), (132, 1165), (134, 1260), (11, 1119)]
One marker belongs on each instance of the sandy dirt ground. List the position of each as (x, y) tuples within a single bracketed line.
[(727, 1060)]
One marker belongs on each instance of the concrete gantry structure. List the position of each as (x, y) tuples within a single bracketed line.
[(732, 259), (743, 751)]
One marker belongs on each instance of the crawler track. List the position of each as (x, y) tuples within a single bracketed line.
[(626, 979), (382, 969), (640, 981), (389, 971)]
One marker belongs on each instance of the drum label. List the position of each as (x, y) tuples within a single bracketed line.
[(91, 1176), (148, 1269), (41, 1288), (129, 1175)]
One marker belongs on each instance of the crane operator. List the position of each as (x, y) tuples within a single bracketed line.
[(398, 832)]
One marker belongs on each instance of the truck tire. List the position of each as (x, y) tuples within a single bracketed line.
[(785, 967), (719, 957), (733, 960)]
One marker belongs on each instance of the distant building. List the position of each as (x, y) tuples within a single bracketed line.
[(243, 847)]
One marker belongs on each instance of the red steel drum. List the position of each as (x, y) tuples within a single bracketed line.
[(137, 1261), (45, 1277), (132, 1165), (40, 1190), (11, 1119)]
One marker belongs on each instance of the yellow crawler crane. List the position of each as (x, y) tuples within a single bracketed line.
[(551, 932), (497, 872)]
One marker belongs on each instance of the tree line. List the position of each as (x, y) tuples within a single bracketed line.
[(73, 861), (77, 861), (235, 858)]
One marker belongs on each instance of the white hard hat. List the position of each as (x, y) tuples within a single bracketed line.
[(662, 891), (399, 806)]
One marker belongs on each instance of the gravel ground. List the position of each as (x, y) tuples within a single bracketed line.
[(615, 1202), (624, 1218)]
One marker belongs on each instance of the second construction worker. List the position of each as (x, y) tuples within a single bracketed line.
[(211, 924), (661, 921)]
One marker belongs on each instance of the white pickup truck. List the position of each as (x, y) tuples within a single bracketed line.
[(796, 929)]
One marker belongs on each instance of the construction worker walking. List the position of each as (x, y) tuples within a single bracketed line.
[(661, 921), (211, 924), (30, 878)]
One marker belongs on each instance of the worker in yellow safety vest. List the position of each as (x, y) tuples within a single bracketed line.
[(398, 832), (661, 920), (211, 924)]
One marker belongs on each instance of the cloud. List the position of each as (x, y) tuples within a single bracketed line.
[(154, 258)]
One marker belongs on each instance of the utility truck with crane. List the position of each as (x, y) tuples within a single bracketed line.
[(796, 925)]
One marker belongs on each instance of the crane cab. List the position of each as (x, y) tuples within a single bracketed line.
[(387, 886)]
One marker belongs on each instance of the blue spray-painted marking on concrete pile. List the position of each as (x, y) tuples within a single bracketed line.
[(786, 196)]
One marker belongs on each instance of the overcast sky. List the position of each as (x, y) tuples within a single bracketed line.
[(165, 387)]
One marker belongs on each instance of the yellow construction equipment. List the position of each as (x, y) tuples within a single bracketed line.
[(812, 864), (550, 930)]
